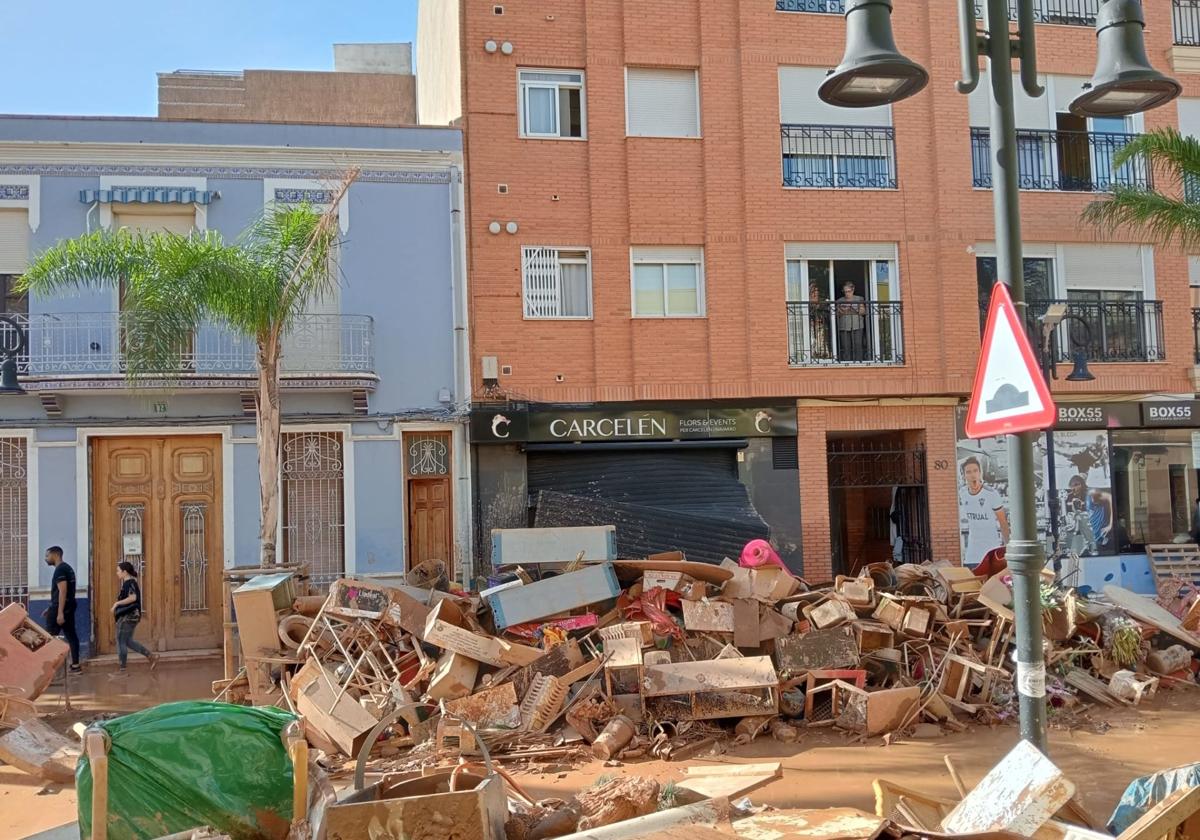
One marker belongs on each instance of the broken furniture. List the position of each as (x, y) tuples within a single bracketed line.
[(29, 656)]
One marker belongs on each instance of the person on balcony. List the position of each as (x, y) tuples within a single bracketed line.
[(851, 324)]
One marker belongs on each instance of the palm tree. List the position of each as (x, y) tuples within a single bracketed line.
[(171, 284), (1167, 216)]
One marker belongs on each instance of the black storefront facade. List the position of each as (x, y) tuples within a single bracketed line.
[(701, 478)]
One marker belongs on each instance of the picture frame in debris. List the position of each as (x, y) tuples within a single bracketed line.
[(355, 599)]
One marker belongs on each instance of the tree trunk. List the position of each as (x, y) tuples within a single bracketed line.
[(267, 422)]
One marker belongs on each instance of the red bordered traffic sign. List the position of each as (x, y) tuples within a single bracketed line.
[(1010, 393)]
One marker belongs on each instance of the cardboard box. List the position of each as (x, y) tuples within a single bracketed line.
[(345, 723), (453, 678), (446, 627)]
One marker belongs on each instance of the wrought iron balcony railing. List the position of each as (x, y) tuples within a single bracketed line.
[(91, 343), (1187, 22), (845, 333), (839, 156), (1063, 12), (1117, 331), (1069, 161), (831, 7), (1196, 332)]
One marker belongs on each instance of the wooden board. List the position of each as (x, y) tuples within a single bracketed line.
[(343, 722), (1175, 561), (729, 780), (1145, 610), (832, 648), (1018, 795), (709, 616), (700, 571), (36, 749), (825, 824)]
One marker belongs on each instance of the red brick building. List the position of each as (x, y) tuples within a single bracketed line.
[(661, 214)]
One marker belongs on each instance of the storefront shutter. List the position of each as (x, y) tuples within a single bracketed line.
[(14, 241)]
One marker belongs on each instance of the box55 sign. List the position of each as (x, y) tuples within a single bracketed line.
[(1182, 413)]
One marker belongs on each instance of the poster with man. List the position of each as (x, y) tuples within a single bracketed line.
[(1087, 522), (982, 513)]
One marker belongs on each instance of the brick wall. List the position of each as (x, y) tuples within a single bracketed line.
[(723, 192)]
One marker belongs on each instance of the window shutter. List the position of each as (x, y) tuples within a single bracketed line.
[(1066, 88), (1189, 116), (1194, 271), (668, 253), (179, 223), (840, 250), (662, 103), (540, 271), (1103, 267), (14, 241), (1031, 113), (800, 105)]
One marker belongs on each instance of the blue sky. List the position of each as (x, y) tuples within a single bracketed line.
[(84, 57)]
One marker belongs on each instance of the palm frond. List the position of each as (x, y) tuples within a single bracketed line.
[(1171, 155), (101, 258), (1163, 218)]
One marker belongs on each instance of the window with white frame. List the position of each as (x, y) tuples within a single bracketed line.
[(14, 511), (843, 304), (556, 282), (661, 102), (552, 103), (668, 282)]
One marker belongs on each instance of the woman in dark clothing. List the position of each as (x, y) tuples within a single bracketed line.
[(128, 612)]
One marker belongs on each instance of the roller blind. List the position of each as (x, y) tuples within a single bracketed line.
[(1189, 116), (1194, 271), (14, 241), (1066, 88), (840, 250), (1031, 113), (662, 103), (668, 253), (800, 105), (1103, 267), (181, 224)]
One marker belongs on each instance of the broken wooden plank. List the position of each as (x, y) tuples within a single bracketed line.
[(1018, 795), (1148, 612), (36, 749), (729, 780), (1092, 687), (1165, 817)]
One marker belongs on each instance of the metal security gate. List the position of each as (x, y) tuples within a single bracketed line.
[(858, 463), (314, 517), (14, 521)]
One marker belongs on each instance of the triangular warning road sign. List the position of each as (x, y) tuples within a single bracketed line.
[(1010, 393)]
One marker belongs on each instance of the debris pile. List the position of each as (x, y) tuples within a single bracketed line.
[(666, 658)]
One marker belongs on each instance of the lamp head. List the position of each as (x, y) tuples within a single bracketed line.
[(1080, 372), (1124, 82), (872, 72)]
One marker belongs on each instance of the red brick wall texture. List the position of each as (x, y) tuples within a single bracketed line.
[(723, 192)]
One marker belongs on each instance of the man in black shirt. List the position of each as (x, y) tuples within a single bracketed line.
[(60, 618)]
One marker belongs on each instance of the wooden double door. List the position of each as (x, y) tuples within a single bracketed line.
[(156, 502)]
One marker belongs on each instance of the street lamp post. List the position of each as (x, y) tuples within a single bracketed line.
[(873, 72)]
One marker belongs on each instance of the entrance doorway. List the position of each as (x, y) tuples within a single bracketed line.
[(427, 479), (878, 499), (156, 502)]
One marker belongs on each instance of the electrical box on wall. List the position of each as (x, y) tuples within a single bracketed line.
[(490, 367)]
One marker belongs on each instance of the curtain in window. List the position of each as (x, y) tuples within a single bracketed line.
[(860, 171), (541, 108), (574, 290)]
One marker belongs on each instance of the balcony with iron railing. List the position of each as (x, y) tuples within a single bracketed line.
[(838, 157), (1105, 330), (833, 333), (1186, 18), (89, 346), (1061, 12), (1066, 161), (829, 7)]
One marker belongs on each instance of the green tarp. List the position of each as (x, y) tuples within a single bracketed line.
[(183, 765)]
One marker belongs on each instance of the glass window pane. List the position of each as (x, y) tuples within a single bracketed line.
[(541, 111), (648, 290), (883, 282), (576, 296), (566, 78), (683, 293), (570, 116), (864, 172), (820, 281), (795, 281), (1154, 483), (808, 170)]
